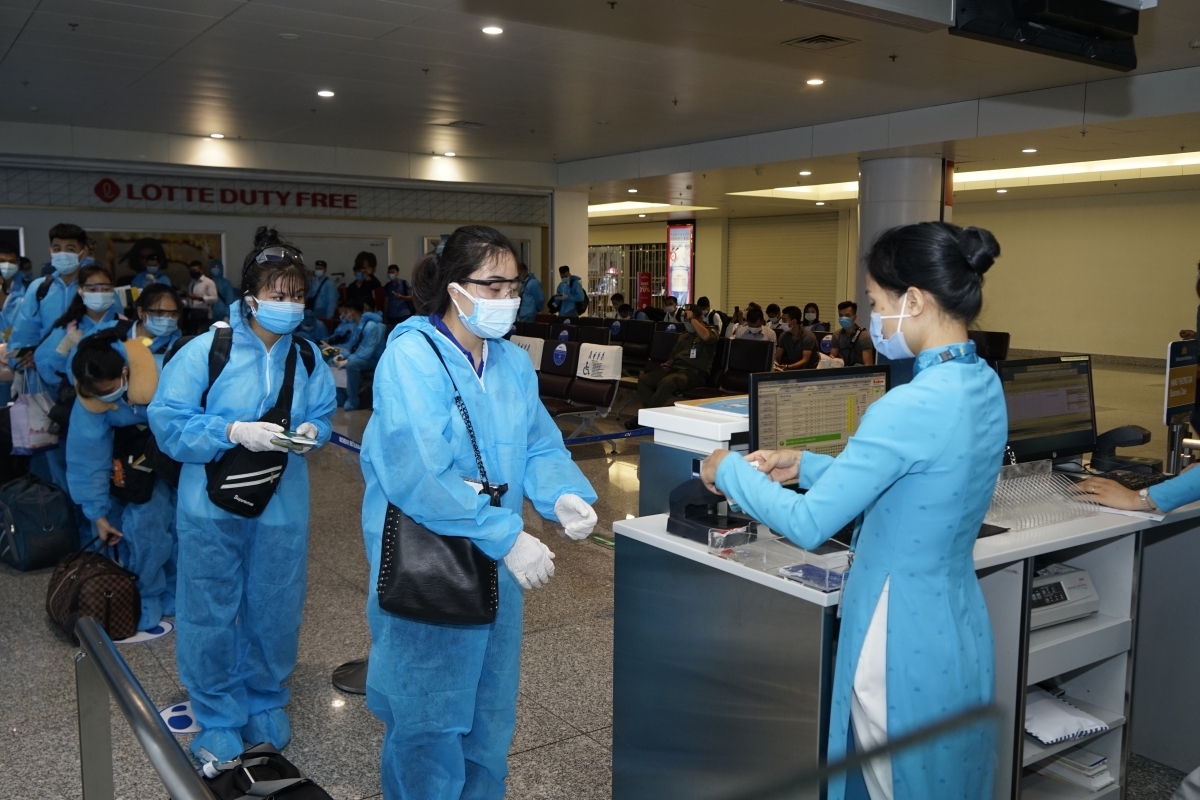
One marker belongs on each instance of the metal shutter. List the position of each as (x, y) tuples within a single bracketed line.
[(784, 260)]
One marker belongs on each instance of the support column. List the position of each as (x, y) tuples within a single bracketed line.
[(712, 237), (568, 235), (891, 192)]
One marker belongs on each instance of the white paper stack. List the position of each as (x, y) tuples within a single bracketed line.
[(1050, 720), (1078, 767)]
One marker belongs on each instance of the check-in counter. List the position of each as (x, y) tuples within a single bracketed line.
[(723, 671)]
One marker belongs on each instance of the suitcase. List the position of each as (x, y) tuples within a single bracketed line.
[(38, 522)]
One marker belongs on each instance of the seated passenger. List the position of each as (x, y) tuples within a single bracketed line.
[(755, 328), (688, 366), (797, 349), (362, 352)]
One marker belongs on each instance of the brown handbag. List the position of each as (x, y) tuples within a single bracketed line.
[(88, 584)]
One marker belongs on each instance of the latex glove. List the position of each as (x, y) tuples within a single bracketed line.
[(339, 362), (578, 518), (530, 561), (309, 430), (256, 436), (68, 342)]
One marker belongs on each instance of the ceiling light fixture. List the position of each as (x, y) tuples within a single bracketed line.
[(1029, 150), (633, 191), (291, 37), (815, 81), (1002, 191), (641, 215), (324, 93), (492, 30), (217, 135), (805, 173), (451, 154), (820, 202)]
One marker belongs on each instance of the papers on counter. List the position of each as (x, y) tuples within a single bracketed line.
[(1051, 720), (1078, 767)]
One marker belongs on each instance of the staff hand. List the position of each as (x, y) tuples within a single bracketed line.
[(107, 533), (779, 465), (1110, 493), (708, 470)]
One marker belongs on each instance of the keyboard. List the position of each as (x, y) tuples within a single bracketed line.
[(1134, 480)]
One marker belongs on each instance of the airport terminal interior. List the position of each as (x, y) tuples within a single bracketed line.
[(940, 258)]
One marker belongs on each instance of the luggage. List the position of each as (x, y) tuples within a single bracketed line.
[(29, 418), (87, 584), (261, 772), (133, 473), (38, 520)]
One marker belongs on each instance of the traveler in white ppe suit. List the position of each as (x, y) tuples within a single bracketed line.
[(448, 693)]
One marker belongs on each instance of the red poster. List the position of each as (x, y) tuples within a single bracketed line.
[(643, 290)]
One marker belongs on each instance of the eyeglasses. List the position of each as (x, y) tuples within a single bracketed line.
[(496, 288), (278, 256)]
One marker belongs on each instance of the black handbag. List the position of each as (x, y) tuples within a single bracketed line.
[(243, 482), (260, 773), (133, 473), (433, 578)]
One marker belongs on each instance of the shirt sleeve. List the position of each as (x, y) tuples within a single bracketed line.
[(27, 330), (550, 471), (1178, 491), (321, 396), (182, 428), (89, 462), (49, 362)]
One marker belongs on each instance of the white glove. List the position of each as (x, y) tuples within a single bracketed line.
[(256, 436), (69, 341), (530, 561), (577, 517), (309, 430)]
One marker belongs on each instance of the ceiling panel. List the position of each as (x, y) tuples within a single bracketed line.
[(93, 12), (288, 18)]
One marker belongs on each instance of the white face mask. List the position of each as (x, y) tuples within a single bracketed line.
[(490, 319), (7, 269), (894, 347)]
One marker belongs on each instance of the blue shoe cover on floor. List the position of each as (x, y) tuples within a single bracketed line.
[(271, 726), (223, 744)]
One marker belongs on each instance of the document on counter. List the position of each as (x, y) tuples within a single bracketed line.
[(1139, 514)]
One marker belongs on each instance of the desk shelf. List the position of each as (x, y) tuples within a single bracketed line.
[(1035, 751), (1039, 787), (1072, 645)]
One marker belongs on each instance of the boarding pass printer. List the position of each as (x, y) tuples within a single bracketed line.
[(1061, 593)]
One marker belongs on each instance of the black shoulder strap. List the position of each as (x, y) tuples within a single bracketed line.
[(283, 403), (44, 288), (123, 327), (218, 357), (306, 353)]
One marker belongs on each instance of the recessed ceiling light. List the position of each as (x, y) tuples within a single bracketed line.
[(815, 81), (820, 202), (492, 30), (805, 172), (324, 93), (217, 135), (633, 191), (1029, 150), (451, 154), (291, 37), (1002, 191), (641, 215)]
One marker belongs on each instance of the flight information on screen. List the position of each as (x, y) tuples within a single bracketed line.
[(1050, 410), (813, 411)]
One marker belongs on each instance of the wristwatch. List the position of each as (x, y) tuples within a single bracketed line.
[(1147, 503)]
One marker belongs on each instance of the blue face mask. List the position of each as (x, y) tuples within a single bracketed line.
[(113, 397), (279, 317), (893, 348), (360, 276), (161, 326), (64, 263), (845, 322), (99, 301), (215, 272)]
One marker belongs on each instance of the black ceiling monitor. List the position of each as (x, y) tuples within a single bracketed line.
[(816, 410), (1051, 411)]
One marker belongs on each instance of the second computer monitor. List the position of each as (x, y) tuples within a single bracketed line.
[(813, 410), (1051, 413)]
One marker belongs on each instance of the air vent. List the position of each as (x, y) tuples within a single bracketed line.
[(462, 123), (821, 41)]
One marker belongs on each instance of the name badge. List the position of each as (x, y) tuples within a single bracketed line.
[(693, 355)]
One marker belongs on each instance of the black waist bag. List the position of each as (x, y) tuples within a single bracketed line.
[(261, 772), (243, 482), (133, 473)]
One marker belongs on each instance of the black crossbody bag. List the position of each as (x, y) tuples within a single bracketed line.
[(433, 578), (243, 482)]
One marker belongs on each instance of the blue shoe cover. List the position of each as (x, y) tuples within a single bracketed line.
[(272, 726), (223, 744)]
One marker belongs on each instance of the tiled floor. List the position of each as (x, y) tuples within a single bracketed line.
[(562, 747)]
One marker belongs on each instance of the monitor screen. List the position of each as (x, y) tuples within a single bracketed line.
[(1051, 413), (814, 410)]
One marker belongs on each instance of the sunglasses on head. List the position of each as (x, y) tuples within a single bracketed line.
[(278, 256)]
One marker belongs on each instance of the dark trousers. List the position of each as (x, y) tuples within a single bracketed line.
[(197, 321), (658, 387)]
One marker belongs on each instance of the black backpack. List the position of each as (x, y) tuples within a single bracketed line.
[(260, 772)]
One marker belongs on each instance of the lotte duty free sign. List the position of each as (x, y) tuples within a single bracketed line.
[(109, 191)]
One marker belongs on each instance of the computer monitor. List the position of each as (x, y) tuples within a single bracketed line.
[(1051, 413), (814, 410)]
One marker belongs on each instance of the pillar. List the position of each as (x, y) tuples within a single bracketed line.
[(568, 235), (712, 237)]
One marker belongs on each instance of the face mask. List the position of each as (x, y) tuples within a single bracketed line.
[(895, 347), (491, 319), (161, 326), (279, 317), (845, 322), (64, 263), (670, 309), (810, 317), (215, 272), (196, 275), (7, 269), (99, 301), (113, 397), (360, 276), (152, 269), (320, 273), (393, 276), (773, 319)]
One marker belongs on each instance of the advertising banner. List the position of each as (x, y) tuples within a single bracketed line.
[(681, 261), (1180, 395), (644, 297)]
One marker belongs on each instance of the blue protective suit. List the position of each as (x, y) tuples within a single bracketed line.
[(533, 299), (148, 545), (226, 292), (241, 581), (147, 278), (921, 469), (343, 334), (448, 693), (12, 305), (159, 345), (53, 365), (571, 288), (35, 319), (362, 354), (324, 296), (312, 328), (1178, 491)]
